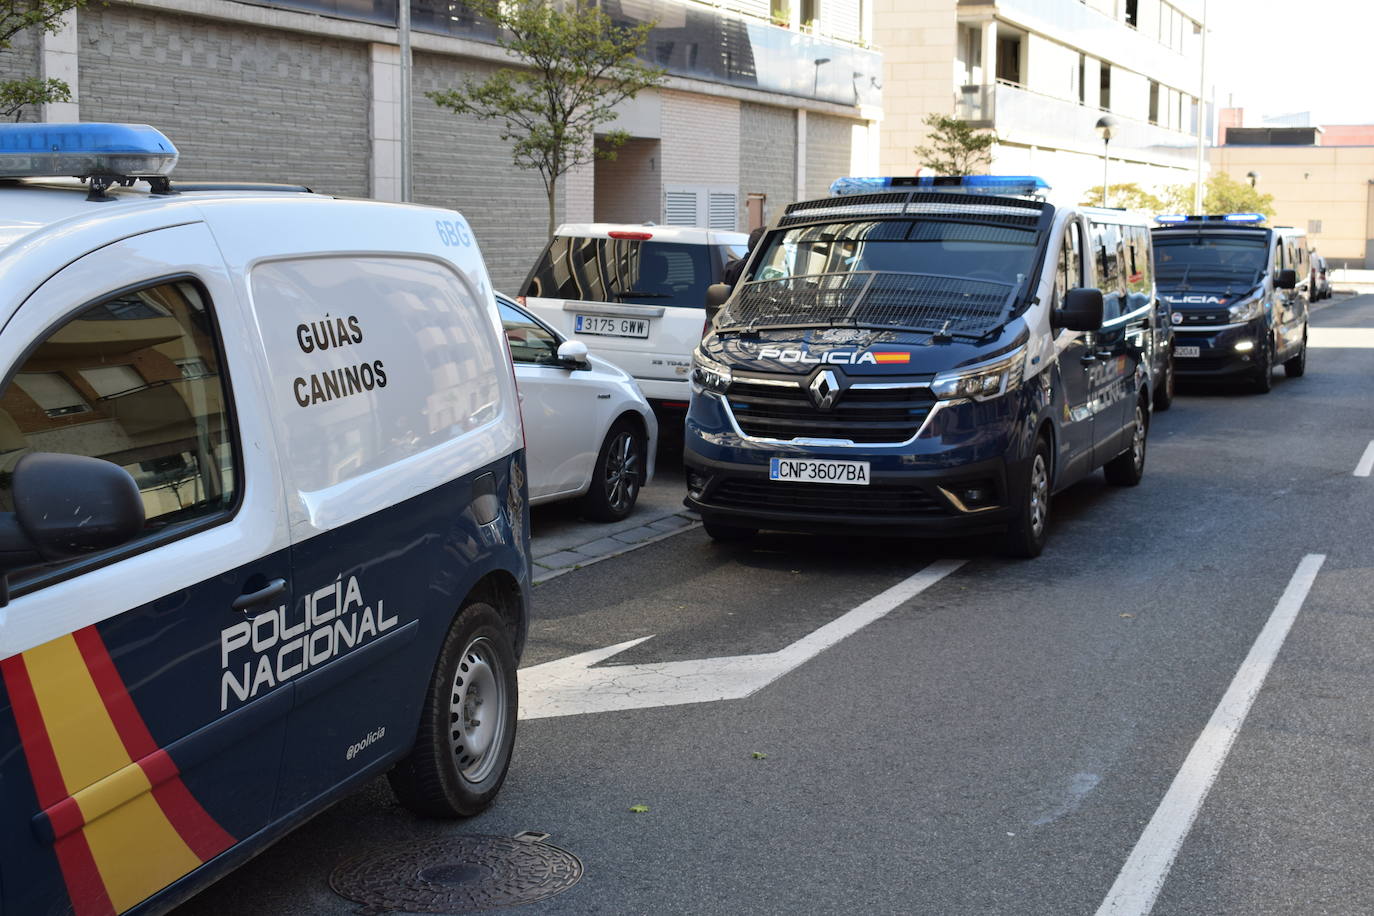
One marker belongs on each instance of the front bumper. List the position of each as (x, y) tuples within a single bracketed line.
[(1217, 354)]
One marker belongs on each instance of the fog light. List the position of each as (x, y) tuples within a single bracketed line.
[(1245, 346), (975, 496), (696, 484)]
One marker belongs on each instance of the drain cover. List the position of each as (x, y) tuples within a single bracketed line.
[(457, 874)]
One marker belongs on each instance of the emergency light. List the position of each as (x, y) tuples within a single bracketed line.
[(99, 151), (1011, 185), (1248, 218)]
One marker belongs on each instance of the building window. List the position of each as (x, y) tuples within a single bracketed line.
[(1104, 92), (780, 11), (810, 12), (1154, 102), (1133, 13), (1009, 59)]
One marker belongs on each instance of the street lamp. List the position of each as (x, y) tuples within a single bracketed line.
[(1106, 129), (816, 80), (1253, 176)]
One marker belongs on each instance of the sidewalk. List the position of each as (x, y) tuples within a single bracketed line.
[(561, 542)]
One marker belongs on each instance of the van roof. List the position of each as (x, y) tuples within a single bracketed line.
[(686, 235), (30, 206)]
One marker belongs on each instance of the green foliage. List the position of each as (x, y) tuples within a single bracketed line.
[(955, 148), (578, 65), (1224, 194), (639, 809), (1129, 196), (15, 95), (15, 17)]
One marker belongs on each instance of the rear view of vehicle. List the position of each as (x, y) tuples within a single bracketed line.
[(635, 294), (1233, 288)]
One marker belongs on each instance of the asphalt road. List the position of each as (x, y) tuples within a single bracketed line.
[(996, 744)]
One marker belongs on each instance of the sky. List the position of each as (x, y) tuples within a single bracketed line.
[(1276, 58)]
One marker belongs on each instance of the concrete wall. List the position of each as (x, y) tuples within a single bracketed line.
[(629, 188), (1326, 183), (233, 98), (21, 61), (918, 42), (461, 162), (827, 152), (767, 158), (700, 139)]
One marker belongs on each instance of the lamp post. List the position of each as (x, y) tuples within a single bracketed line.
[(816, 79), (1253, 177), (1106, 129)]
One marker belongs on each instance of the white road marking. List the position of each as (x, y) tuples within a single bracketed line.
[(1366, 464), (1346, 338), (571, 686), (1143, 875)]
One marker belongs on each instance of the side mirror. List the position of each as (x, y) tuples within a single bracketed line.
[(1081, 311), (1286, 279), (66, 506), (573, 353), (716, 296)]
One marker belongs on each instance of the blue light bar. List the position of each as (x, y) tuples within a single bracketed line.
[(84, 151), (1248, 218), (1244, 217), (1171, 218), (1012, 185)]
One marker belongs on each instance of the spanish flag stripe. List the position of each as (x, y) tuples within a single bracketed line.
[(84, 885), (85, 740), (132, 731), (198, 830)]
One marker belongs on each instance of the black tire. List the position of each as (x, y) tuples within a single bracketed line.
[(1025, 537), (1296, 367), (456, 767), (618, 474), (1262, 382), (728, 533), (1126, 469), (1164, 394)]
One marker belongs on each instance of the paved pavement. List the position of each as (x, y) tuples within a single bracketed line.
[(1005, 740)]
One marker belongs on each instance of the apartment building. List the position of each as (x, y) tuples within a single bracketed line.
[(766, 102), (1041, 73)]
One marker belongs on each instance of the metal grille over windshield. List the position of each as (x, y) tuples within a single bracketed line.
[(872, 299)]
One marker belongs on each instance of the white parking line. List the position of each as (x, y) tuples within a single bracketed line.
[(1366, 464), (1143, 875)]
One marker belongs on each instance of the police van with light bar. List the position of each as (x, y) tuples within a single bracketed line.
[(924, 356), (263, 522), (1238, 295)]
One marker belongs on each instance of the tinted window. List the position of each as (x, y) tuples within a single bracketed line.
[(1070, 274), (112, 383), (1210, 257), (530, 342), (1107, 256), (623, 270)]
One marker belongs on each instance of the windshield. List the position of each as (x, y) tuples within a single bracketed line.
[(623, 270), (1204, 256), (915, 274)]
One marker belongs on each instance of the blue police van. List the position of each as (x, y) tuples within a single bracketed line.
[(924, 356), (263, 520), (1238, 296)]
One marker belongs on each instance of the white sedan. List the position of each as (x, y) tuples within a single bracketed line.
[(589, 432)]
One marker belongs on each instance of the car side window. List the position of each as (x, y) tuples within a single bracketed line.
[(530, 342), (137, 380), (1070, 274), (1107, 258)]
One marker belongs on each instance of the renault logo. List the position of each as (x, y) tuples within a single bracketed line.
[(825, 389)]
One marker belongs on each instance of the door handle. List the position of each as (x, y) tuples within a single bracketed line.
[(269, 592)]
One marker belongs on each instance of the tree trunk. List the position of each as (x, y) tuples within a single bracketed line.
[(553, 204)]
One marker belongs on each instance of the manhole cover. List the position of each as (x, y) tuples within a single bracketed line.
[(456, 875)]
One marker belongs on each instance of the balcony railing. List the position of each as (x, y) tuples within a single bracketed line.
[(1019, 114)]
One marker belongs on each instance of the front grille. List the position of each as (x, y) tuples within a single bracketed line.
[(1209, 319), (1205, 363), (874, 501), (861, 415)]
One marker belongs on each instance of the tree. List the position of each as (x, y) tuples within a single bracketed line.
[(579, 65), (15, 17), (1129, 195), (954, 147), (1220, 194)]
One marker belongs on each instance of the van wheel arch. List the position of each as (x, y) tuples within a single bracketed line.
[(499, 589)]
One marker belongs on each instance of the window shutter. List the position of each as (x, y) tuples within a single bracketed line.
[(723, 211), (680, 208)]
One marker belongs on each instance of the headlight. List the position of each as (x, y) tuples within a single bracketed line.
[(709, 375), (1246, 309), (983, 382)]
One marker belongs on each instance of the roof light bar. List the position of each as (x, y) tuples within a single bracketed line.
[(1247, 218), (1012, 185), (103, 151)]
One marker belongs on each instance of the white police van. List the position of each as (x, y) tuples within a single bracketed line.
[(924, 356), (264, 531)]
